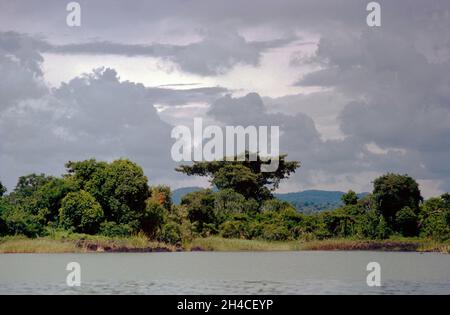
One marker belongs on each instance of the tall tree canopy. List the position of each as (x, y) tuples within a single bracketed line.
[(120, 187), (244, 177), (393, 192)]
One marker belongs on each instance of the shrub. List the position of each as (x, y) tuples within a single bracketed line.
[(233, 229), (16, 221), (152, 218), (200, 209), (226, 202), (171, 233), (81, 213), (274, 232), (406, 222), (112, 229), (435, 219), (162, 195), (275, 205)]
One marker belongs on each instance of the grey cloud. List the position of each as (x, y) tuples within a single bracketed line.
[(398, 94), (216, 54), (300, 139), (94, 115)]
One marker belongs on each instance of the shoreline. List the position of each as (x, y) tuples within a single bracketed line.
[(137, 244)]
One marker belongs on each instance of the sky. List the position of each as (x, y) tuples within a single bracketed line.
[(352, 101)]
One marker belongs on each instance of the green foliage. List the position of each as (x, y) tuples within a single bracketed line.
[(393, 192), (112, 229), (27, 186), (114, 199), (120, 187), (45, 202), (276, 205), (171, 233), (243, 174), (200, 208), (228, 202), (152, 218), (81, 213), (275, 232), (350, 198), (233, 229), (162, 195), (435, 219), (406, 222), (2, 190), (16, 221)]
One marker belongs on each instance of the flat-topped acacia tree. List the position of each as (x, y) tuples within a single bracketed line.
[(244, 177)]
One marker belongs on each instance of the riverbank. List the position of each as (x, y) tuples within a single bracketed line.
[(399, 244), (80, 243)]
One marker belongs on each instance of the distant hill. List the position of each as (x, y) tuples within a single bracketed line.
[(309, 201), (306, 201)]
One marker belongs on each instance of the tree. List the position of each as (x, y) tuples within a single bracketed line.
[(152, 218), (227, 201), (45, 202), (276, 205), (406, 222), (446, 198), (435, 219), (81, 213), (120, 187), (27, 186), (350, 198), (2, 190), (200, 208), (244, 177), (162, 195), (393, 192), (83, 171)]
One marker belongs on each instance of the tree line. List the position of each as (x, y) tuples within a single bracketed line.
[(114, 199)]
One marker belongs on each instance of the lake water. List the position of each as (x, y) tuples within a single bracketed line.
[(306, 272)]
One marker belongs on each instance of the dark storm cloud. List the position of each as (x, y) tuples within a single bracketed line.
[(399, 92), (300, 138), (215, 54), (387, 86), (93, 115)]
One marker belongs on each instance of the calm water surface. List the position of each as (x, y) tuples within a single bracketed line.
[(226, 273)]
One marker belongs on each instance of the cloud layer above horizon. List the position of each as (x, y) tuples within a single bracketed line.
[(352, 102)]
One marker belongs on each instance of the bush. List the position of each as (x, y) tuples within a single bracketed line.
[(393, 192), (435, 219), (81, 213), (406, 222), (226, 202), (46, 200), (274, 232), (16, 221), (112, 229), (233, 229), (152, 218), (275, 205), (171, 233), (200, 209), (162, 195), (120, 187)]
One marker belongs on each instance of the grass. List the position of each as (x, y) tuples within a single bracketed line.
[(394, 244), (64, 242), (226, 244), (19, 244)]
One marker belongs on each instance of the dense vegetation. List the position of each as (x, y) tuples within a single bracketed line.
[(115, 200)]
